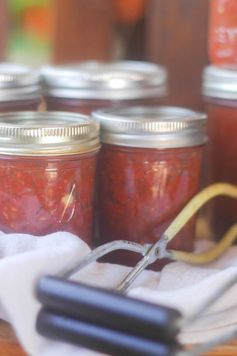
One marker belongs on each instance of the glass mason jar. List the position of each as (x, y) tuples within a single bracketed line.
[(19, 88), (149, 168), (93, 85), (47, 173), (223, 32), (220, 94)]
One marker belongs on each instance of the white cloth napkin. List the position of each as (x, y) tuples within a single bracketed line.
[(24, 258)]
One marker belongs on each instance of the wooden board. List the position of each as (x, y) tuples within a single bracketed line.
[(10, 347), (228, 350), (83, 30), (177, 38), (8, 342)]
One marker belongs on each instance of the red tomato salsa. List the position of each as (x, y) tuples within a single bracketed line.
[(47, 173), (220, 93), (21, 105), (87, 106), (222, 161), (41, 195), (142, 189)]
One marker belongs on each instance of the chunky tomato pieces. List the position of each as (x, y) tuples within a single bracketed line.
[(42, 195), (142, 190)]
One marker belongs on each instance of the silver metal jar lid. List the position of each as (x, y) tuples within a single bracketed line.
[(18, 82), (29, 133), (119, 80), (220, 82), (152, 127)]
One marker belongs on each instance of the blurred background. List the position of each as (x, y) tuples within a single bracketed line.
[(169, 32)]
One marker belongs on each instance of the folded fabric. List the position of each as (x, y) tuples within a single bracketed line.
[(24, 258)]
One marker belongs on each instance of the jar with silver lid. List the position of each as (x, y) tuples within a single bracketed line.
[(149, 168), (19, 87), (93, 85), (220, 94), (47, 173)]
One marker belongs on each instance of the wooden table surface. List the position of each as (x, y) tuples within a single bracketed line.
[(10, 347), (8, 343)]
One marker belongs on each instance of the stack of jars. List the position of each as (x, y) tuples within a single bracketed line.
[(220, 92), (148, 166)]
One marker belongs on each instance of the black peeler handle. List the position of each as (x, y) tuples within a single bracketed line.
[(109, 309), (99, 338)]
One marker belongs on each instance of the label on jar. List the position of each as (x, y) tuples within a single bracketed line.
[(223, 32)]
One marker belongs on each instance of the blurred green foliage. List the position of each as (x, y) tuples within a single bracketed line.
[(17, 6), (25, 46)]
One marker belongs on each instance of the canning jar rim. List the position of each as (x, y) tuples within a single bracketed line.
[(58, 133), (18, 82), (118, 80), (220, 82), (179, 127)]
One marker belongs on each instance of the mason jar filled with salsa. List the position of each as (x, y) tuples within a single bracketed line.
[(220, 94), (47, 173), (19, 88), (149, 168), (93, 85)]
